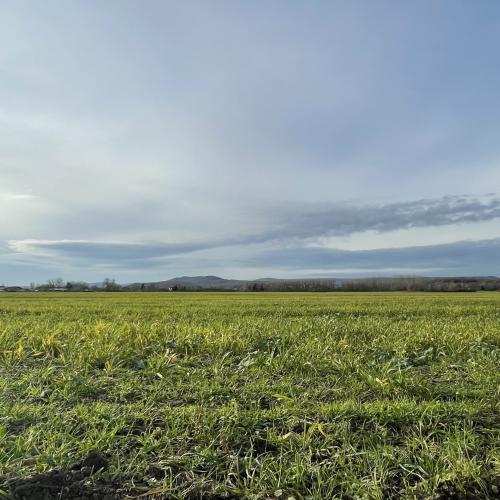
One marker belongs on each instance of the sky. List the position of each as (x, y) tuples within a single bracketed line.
[(146, 140)]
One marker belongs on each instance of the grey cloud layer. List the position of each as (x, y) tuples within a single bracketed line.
[(347, 219), (311, 222), (273, 246), (460, 258)]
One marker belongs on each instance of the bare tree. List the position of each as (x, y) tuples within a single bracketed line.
[(110, 285)]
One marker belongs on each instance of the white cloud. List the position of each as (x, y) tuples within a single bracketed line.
[(17, 196)]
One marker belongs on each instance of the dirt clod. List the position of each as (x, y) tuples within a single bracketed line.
[(96, 461)]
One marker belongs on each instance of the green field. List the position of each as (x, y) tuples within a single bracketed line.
[(253, 395)]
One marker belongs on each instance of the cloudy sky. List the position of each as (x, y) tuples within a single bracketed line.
[(146, 140)]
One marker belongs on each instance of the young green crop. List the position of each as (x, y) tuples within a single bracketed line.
[(255, 395)]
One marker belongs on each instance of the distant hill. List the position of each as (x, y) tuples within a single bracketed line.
[(217, 283), (201, 283), (192, 283)]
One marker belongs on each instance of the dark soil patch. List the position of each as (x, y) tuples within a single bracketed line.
[(16, 428), (68, 485), (59, 485), (490, 488)]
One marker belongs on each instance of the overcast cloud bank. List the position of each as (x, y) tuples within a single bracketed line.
[(143, 141)]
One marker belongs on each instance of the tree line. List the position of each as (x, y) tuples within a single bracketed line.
[(58, 284), (396, 284)]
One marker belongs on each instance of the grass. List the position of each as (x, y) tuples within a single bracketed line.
[(255, 395)]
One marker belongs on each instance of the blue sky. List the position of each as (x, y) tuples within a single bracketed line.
[(145, 140)]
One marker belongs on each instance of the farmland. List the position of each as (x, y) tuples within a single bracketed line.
[(252, 395)]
